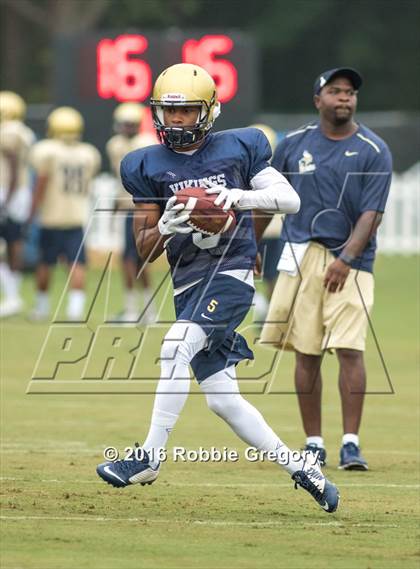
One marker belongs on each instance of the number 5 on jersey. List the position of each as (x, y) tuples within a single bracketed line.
[(212, 306)]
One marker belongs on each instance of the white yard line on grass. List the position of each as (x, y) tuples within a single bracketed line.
[(213, 523), (63, 448), (282, 485), (215, 484)]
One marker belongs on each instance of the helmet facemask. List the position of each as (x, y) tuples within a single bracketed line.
[(183, 136)]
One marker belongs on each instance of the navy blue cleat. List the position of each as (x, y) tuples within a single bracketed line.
[(319, 452), (351, 459), (313, 481), (122, 473)]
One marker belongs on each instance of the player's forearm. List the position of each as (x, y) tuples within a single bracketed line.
[(261, 222), (364, 229), (150, 243), (271, 192)]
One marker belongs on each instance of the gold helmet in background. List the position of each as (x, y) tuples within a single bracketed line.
[(184, 84), (269, 132), (12, 106), (129, 113), (65, 123)]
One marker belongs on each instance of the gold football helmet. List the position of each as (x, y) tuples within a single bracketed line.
[(184, 84), (270, 134), (129, 113), (12, 106), (65, 123)]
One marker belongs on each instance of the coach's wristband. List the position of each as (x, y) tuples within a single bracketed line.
[(347, 259)]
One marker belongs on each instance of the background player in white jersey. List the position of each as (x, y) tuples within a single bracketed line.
[(15, 195), (65, 167), (127, 120), (212, 276)]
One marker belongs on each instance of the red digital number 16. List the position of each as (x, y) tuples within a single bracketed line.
[(203, 52), (119, 76)]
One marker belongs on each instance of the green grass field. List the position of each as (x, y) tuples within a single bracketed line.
[(57, 514)]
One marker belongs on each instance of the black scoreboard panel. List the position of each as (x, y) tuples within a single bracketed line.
[(95, 72)]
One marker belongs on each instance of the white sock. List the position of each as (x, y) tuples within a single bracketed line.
[(181, 343), (260, 307), (10, 282), (350, 438), (6, 280), (16, 281), (131, 301), (148, 302), (318, 441), (147, 295), (42, 302), (223, 397), (76, 304), (163, 422)]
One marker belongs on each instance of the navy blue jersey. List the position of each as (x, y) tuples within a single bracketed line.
[(337, 180), (230, 158)]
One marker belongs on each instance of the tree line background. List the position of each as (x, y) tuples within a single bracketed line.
[(297, 40)]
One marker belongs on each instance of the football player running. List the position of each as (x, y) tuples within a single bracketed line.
[(127, 120), (65, 167), (212, 276), (15, 195)]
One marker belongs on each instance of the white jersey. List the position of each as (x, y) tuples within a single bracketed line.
[(15, 141), (69, 168)]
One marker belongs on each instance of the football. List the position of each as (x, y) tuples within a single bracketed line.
[(205, 217)]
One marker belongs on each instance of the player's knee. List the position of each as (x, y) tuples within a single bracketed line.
[(182, 342), (346, 355), (223, 404), (214, 404), (168, 350)]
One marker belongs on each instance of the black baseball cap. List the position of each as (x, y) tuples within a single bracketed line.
[(327, 76)]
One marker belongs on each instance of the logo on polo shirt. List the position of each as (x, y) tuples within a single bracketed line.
[(306, 163)]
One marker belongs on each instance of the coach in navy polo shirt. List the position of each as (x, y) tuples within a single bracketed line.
[(342, 173)]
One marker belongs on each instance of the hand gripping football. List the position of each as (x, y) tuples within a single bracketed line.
[(205, 217)]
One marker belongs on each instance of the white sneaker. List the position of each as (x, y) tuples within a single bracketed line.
[(129, 317), (126, 316), (149, 317), (10, 307), (37, 315)]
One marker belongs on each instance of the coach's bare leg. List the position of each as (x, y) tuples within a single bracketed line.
[(308, 383), (352, 384)]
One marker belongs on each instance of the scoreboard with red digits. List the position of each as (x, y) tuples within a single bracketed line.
[(95, 72)]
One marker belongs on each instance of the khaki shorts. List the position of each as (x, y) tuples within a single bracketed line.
[(303, 316)]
